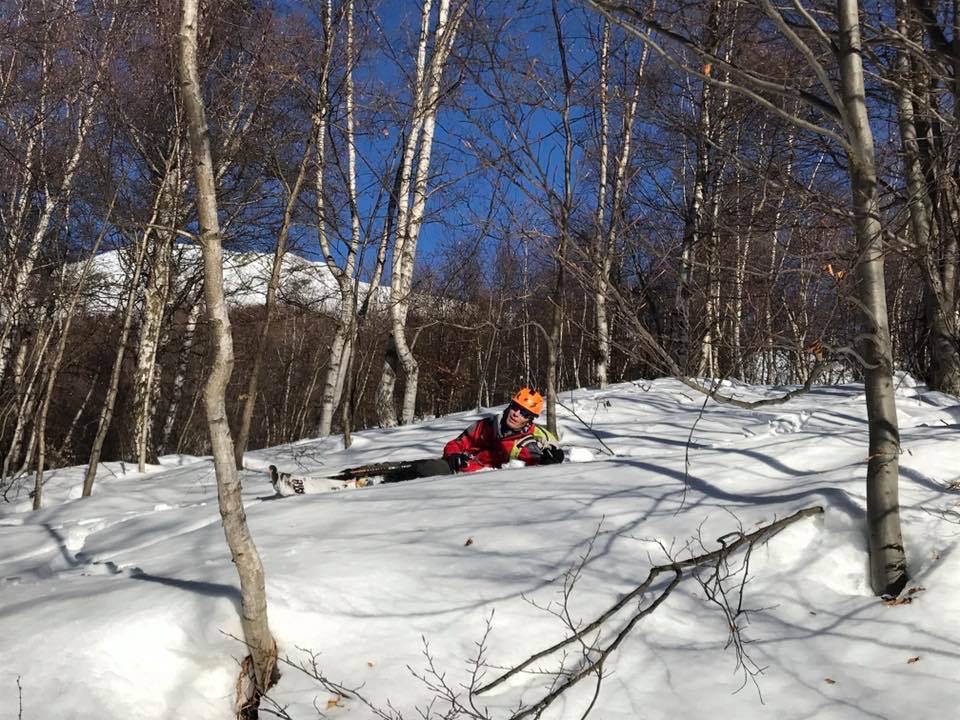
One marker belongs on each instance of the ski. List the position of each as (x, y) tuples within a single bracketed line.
[(386, 469), (286, 484)]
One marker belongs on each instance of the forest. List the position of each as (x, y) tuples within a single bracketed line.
[(560, 194), (234, 224)]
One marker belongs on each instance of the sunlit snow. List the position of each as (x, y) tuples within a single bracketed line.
[(125, 605)]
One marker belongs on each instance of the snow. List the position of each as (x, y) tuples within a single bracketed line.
[(304, 282), (125, 604)]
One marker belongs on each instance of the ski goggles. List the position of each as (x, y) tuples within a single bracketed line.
[(526, 414)]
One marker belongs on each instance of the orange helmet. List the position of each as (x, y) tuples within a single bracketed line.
[(529, 399)]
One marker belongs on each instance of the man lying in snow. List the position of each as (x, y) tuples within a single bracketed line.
[(493, 441), (489, 443)]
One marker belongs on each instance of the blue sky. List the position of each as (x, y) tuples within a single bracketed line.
[(465, 197)]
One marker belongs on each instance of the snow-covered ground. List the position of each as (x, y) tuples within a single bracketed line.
[(124, 605)]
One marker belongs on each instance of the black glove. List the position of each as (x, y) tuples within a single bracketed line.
[(551, 455), (457, 462)]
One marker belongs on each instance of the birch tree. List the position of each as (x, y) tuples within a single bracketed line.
[(411, 203), (261, 670), (180, 375), (609, 223), (57, 359), (27, 220), (345, 336), (173, 210), (279, 253), (845, 122), (159, 240), (109, 402)]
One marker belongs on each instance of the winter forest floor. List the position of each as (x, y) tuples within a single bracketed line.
[(124, 605)]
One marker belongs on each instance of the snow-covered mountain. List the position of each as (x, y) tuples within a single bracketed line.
[(305, 283), (125, 605)]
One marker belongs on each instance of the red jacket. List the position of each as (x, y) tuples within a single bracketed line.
[(490, 443)]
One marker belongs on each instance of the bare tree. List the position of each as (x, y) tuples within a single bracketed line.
[(412, 201), (887, 557), (845, 109), (57, 359), (931, 143), (604, 244), (337, 387), (280, 251), (110, 400), (26, 225), (260, 673)]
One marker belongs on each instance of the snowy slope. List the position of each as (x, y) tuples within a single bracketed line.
[(123, 605), (304, 282)]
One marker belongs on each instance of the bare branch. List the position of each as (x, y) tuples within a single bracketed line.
[(676, 567)]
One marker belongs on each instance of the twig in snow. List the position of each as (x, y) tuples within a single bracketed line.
[(716, 589), (686, 448), (588, 427)]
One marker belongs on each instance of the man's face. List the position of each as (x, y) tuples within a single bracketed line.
[(517, 417)]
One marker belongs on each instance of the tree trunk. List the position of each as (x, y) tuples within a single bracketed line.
[(256, 629), (87, 98), (342, 347), (63, 452), (563, 227), (600, 256), (57, 359), (942, 343), (280, 251), (156, 292), (888, 571), (180, 378), (936, 249), (692, 234), (411, 205), (109, 402), (27, 394)]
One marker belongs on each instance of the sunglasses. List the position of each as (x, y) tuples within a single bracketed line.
[(526, 414)]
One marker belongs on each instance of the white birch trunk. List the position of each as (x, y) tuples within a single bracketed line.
[(601, 258), (716, 169), (411, 210), (343, 340), (386, 407), (692, 234), (155, 297), (109, 402), (180, 378), (154, 304), (936, 249), (253, 616), (27, 393)]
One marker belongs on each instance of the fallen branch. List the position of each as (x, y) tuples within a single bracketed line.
[(711, 392), (730, 543)]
